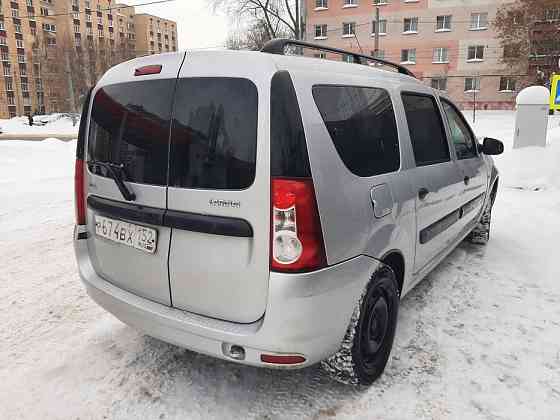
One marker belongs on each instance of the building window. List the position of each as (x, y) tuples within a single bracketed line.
[(3, 40), (15, 13), (49, 27), (475, 53), (479, 21), (17, 27), (408, 56), (410, 25), (51, 42), (29, 3), (507, 84), (24, 87), (472, 84), (350, 3), (440, 55), (76, 16), (443, 23), (378, 54), (439, 83), (380, 2), (77, 29), (9, 85), (321, 55), (552, 14), (321, 4), (2, 28), (348, 29), (347, 58), (21, 58), (320, 31), (44, 11), (88, 18), (382, 27), (19, 43)]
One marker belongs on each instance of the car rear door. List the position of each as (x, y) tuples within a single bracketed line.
[(129, 126), (469, 161), (219, 191), (436, 180)]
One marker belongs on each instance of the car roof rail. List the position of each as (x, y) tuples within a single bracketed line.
[(278, 46)]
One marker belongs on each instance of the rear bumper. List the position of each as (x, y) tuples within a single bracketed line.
[(307, 314)]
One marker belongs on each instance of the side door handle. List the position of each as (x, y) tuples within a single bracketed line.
[(466, 180), (422, 193)]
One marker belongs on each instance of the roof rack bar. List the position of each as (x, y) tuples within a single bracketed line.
[(278, 46)]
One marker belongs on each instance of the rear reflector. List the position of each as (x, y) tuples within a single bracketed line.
[(146, 70), (79, 192), (282, 360)]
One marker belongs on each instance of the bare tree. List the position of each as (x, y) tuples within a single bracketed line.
[(252, 38), (529, 33), (277, 17)]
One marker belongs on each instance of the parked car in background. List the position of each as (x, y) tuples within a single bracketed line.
[(272, 210)]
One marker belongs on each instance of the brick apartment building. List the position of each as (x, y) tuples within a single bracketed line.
[(450, 44), (34, 34)]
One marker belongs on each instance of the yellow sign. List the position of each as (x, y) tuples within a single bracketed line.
[(555, 93)]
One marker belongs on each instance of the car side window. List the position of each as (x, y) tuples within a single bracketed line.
[(425, 126), (463, 140), (361, 123)]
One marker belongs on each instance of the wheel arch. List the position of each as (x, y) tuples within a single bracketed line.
[(395, 259)]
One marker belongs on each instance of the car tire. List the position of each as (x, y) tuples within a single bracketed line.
[(480, 235), (368, 341)]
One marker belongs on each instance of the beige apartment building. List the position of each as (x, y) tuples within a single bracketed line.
[(154, 35), (42, 40), (450, 44)]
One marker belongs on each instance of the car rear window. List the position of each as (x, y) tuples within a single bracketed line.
[(130, 126), (214, 134), (362, 126)]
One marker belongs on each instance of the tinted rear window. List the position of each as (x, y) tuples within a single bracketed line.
[(214, 134), (288, 150), (130, 125), (425, 126), (361, 123)]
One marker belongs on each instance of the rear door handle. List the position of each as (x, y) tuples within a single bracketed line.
[(466, 180), (422, 193)]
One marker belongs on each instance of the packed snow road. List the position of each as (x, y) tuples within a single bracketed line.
[(478, 339)]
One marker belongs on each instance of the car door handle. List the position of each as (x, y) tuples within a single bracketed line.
[(466, 180), (422, 193)]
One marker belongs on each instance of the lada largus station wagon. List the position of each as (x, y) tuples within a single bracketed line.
[(272, 209)]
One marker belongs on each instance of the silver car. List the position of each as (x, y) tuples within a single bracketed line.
[(271, 209)]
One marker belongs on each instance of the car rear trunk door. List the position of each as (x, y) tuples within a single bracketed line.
[(129, 125), (219, 191)]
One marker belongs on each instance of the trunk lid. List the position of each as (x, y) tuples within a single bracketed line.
[(219, 187), (129, 126)]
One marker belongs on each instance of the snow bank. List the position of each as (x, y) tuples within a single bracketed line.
[(55, 124), (528, 168)]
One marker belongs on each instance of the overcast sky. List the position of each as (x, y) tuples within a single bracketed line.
[(197, 26)]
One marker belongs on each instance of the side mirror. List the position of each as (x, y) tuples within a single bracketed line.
[(492, 146)]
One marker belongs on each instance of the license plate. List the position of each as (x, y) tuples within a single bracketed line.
[(129, 234)]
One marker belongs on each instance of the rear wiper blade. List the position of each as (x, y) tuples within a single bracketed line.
[(116, 171)]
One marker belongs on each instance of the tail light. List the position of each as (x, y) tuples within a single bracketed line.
[(296, 236), (79, 192)]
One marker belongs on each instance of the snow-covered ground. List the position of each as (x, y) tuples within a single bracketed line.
[(54, 124), (478, 339)]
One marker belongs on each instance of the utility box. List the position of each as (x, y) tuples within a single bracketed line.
[(531, 118)]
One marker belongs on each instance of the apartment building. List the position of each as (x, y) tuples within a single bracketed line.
[(36, 36), (450, 44), (155, 35)]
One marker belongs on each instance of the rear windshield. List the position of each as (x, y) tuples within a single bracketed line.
[(214, 134), (130, 125)]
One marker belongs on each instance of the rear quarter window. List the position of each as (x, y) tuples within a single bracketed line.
[(130, 125), (361, 123), (214, 134)]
